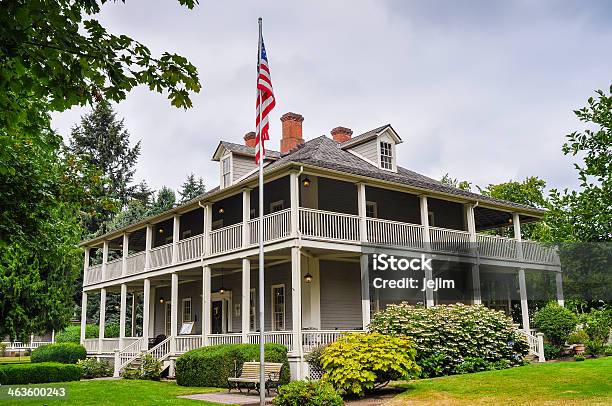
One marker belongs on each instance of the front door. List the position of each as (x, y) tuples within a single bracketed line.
[(217, 317)]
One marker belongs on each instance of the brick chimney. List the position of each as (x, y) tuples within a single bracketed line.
[(292, 132), (341, 134), (249, 139)]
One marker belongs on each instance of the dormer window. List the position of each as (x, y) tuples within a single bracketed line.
[(386, 155), (226, 177)]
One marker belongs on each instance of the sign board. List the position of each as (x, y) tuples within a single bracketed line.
[(186, 328)]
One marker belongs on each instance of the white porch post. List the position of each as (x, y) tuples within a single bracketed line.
[(148, 245), (246, 216), (361, 205), (173, 311), (102, 322), (295, 202), (83, 316), (125, 246), (207, 227), (104, 259), (146, 303), (246, 302), (475, 268), (429, 297), (365, 291), (176, 235), (122, 311), (87, 252), (559, 283), (516, 222), (296, 298), (206, 303)]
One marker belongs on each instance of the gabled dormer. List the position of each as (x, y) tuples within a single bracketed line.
[(236, 161), (377, 146)]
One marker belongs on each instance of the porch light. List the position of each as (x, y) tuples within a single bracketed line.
[(221, 210), (510, 220), (306, 182), (221, 289), (161, 231), (308, 278), (161, 300)]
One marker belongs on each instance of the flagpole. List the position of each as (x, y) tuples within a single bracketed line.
[(262, 381)]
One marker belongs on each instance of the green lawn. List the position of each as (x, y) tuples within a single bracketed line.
[(568, 383), (12, 360), (115, 392)]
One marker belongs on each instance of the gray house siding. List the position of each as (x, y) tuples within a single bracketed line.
[(396, 206), (337, 196), (242, 166), (367, 150), (340, 295)]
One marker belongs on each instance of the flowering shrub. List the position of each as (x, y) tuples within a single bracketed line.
[(92, 368), (357, 363), (446, 335)]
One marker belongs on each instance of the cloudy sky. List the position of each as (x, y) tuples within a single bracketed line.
[(479, 89)]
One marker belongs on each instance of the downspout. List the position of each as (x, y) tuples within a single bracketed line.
[(299, 233)]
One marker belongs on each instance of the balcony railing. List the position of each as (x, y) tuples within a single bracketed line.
[(226, 239), (496, 247), (395, 233), (93, 275), (190, 248), (135, 263), (536, 252), (276, 226), (113, 268), (329, 225), (161, 256), (445, 240)]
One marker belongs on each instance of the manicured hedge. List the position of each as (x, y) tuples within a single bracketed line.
[(211, 366), (72, 334), (66, 353), (22, 374)]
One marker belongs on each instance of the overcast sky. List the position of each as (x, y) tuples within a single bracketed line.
[(482, 90)]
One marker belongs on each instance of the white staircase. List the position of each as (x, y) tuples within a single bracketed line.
[(536, 344), (133, 351)]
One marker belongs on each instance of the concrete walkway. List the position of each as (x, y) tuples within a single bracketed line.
[(233, 398)]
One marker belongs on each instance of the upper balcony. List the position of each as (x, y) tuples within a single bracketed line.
[(325, 210)]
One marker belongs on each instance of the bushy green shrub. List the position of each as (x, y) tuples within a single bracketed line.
[(149, 369), (111, 330), (608, 350), (72, 334), (92, 368), (357, 363), (577, 337), (212, 365), (314, 356), (579, 357), (594, 347), (556, 322), (66, 353), (307, 393), (552, 351), (447, 334), (597, 324), (23, 374)]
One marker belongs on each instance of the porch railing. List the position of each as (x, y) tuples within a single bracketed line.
[(113, 268), (312, 339), (395, 233), (276, 225), (226, 239), (278, 337), (135, 263), (190, 248), (455, 241), (329, 225), (129, 353), (91, 345), (231, 338), (496, 247), (161, 256), (93, 274), (109, 344), (187, 343), (536, 252)]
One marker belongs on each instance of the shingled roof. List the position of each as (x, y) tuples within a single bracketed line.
[(245, 150)]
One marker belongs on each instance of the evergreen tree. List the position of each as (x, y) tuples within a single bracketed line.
[(192, 188), (105, 142), (166, 199), (143, 193)]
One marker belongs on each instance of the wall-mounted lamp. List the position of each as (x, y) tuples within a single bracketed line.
[(161, 231), (306, 182), (308, 278), (161, 300), (221, 289), (510, 220), (221, 210)]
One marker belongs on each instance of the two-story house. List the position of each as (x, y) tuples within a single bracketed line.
[(329, 205)]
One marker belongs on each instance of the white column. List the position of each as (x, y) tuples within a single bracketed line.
[(246, 216), (295, 202), (429, 297), (206, 304), (87, 252), (361, 205), (523, 294), (53, 336), (365, 291), (475, 268), (104, 259), (83, 316), (296, 297), (246, 296), (122, 311), (176, 235), (146, 303), (148, 245), (559, 283), (126, 242), (207, 227), (516, 222), (102, 322), (173, 311)]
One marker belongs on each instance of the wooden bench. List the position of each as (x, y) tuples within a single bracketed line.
[(249, 377)]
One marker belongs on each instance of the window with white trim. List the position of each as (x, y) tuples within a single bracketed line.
[(168, 321), (386, 155), (277, 206), (371, 209), (278, 307), (432, 218), (186, 310), (226, 179)]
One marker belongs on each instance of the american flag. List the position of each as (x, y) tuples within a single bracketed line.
[(265, 102)]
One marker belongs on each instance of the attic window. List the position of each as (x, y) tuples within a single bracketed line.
[(386, 155), (226, 172)]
